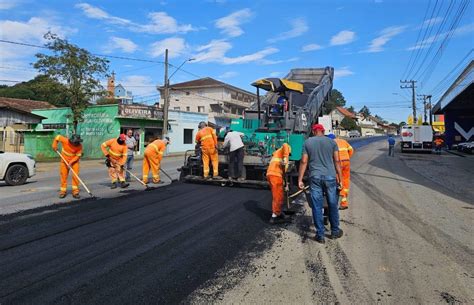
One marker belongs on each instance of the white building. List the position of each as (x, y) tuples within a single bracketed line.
[(221, 101)]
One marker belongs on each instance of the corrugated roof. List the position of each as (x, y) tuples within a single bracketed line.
[(24, 105), (345, 112)]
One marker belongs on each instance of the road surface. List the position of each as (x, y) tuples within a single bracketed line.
[(407, 240)]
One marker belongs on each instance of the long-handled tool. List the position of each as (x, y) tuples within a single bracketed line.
[(168, 176), (76, 175), (138, 179), (298, 192)]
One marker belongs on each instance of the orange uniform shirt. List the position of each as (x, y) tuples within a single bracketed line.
[(116, 151), (207, 137), (70, 152), (345, 149), (155, 148), (275, 168), (439, 142)]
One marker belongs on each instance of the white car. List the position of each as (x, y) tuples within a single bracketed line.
[(369, 134), (16, 168)]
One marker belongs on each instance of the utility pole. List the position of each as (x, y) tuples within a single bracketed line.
[(431, 116), (423, 98), (166, 98), (412, 87)]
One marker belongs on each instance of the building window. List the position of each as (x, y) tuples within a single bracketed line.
[(188, 136), (188, 108), (177, 108), (201, 109)]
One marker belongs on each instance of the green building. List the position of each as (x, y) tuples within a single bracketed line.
[(101, 122)]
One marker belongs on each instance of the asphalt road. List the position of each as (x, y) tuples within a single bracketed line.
[(407, 240)]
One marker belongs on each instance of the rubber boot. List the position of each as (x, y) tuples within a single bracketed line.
[(124, 184)]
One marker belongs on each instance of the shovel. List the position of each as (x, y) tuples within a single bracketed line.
[(168, 176), (76, 175), (147, 188)]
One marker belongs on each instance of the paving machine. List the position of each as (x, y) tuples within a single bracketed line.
[(283, 115)]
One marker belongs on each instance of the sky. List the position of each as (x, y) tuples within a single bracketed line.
[(372, 44)]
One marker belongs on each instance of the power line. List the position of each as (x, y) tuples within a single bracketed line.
[(448, 76)]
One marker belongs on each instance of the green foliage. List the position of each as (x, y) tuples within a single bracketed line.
[(348, 123), (77, 69), (336, 99), (106, 101), (402, 123), (351, 109), (365, 110), (41, 88)]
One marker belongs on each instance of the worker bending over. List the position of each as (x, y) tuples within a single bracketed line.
[(115, 151), (152, 160), (345, 154), (275, 172), (207, 139), (71, 151)]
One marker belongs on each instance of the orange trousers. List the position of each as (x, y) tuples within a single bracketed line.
[(64, 173), (210, 154), (346, 182), (276, 186), (151, 163), (116, 173)]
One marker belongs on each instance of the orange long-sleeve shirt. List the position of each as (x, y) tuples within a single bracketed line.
[(345, 149), (275, 168), (207, 137), (116, 151), (156, 148), (70, 152)]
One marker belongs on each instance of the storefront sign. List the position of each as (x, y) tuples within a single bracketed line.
[(138, 111)]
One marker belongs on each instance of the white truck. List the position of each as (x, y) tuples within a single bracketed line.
[(417, 138), (15, 168)]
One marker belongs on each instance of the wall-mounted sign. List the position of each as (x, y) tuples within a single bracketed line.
[(54, 126), (139, 111)]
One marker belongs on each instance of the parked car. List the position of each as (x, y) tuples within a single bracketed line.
[(369, 134), (15, 168), (353, 134), (467, 147)]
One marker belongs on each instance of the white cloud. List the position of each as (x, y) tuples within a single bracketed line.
[(176, 47), (138, 84), (341, 72), (298, 28), (31, 31), (122, 44), (466, 29), (385, 36), (230, 25), (159, 22), (311, 47), (216, 51), (228, 74), (8, 4), (343, 37), (278, 61)]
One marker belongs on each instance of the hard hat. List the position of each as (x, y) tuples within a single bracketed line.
[(318, 127), (75, 139), (122, 137), (331, 136)]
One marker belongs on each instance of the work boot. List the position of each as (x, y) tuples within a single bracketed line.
[(343, 207), (217, 177), (207, 178), (114, 185), (124, 184), (338, 235), (319, 239), (158, 182), (62, 195), (282, 218), (76, 196)]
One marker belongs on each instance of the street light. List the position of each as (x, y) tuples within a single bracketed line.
[(189, 59)]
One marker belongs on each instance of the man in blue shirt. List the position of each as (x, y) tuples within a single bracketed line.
[(391, 146), (321, 154)]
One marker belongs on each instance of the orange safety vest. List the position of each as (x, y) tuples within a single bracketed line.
[(156, 148), (282, 154), (345, 150), (115, 150), (68, 151), (207, 137), (439, 142)]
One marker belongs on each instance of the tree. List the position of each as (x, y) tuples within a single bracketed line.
[(365, 110), (348, 123), (77, 69), (336, 99), (351, 109), (402, 124), (106, 101)]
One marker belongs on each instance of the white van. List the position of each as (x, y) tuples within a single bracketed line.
[(417, 138)]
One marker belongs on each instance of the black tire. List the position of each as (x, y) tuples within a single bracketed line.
[(16, 174)]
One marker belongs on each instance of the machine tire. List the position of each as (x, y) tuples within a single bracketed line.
[(16, 174)]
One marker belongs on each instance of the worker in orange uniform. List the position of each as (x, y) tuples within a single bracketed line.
[(345, 154), (276, 169), (207, 139), (115, 151), (72, 152), (438, 145), (152, 160)]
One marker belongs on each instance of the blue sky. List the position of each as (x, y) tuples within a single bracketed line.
[(369, 43)]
